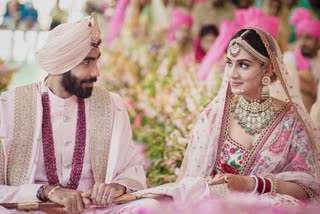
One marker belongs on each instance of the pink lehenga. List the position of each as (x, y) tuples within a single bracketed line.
[(288, 147)]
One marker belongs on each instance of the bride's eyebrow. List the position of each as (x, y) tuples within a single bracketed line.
[(239, 60)]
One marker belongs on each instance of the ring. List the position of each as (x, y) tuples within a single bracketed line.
[(105, 197)]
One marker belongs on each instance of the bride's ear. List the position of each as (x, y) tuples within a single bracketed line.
[(269, 70)]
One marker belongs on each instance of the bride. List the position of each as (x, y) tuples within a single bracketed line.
[(248, 140)]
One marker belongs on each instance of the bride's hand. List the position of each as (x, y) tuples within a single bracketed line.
[(236, 183)]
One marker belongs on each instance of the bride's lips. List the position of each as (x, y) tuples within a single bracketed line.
[(235, 84)]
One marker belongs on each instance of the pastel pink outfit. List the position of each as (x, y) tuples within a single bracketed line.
[(289, 148), (123, 161)]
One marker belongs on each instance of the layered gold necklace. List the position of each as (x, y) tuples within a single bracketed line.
[(252, 115)]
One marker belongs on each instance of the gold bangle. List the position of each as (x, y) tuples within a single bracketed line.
[(274, 182), (52, 191)]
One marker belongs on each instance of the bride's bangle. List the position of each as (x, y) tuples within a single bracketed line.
[(255, 185), (273, 181)]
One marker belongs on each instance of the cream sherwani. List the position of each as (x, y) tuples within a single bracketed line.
[(121, 161)]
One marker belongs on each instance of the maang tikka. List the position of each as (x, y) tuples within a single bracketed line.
[(238, 43)]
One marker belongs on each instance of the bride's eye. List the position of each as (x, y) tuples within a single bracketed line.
[(243, 65), (228, 64)]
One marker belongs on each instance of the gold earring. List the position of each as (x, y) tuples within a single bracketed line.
[(266, 80)]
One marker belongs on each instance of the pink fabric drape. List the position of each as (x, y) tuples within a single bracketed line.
[(116, 21)]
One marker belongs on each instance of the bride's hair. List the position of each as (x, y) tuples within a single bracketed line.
[(255, 41)]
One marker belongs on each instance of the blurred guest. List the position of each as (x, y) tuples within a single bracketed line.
[(29, 16), (138, 20), (58, 15), (212, 11), (207, 36), (305, 55), (12, 15), (243, 3), (180, 31), (275, 8), (179, 47)]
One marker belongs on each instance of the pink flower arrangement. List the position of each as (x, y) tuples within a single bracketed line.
[(235, 203)]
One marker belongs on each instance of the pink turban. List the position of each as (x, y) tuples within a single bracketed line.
[(179, 18), (267, 23), (255, 17), (304, 23), (67, 45)]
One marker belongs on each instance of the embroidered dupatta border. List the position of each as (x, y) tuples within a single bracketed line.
[(23, 134), (263, 139), (101, 122), (223, 125)]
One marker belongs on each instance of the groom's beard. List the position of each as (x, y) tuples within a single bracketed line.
[(73, 85)]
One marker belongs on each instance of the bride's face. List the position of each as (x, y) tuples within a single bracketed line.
[(244, 74)]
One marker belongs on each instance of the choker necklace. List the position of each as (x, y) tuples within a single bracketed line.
[(252, 115), (48, 145)]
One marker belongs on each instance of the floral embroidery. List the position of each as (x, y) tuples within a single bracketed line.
[(232, 157), (291, 145), (300, 162), (281, 143), (208, 111)]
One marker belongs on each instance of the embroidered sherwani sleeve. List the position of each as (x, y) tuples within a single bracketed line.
[(129, 171), (16, 194), (8, 194)]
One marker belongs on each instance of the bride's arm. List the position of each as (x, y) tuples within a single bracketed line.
[(239, 183)]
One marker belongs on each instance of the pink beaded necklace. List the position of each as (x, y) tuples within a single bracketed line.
[(48, 145)]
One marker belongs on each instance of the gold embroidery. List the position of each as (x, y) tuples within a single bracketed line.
[(101, 121), (2, 174), (131, 183), (310, 192), (219, 190), (23, 134)]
